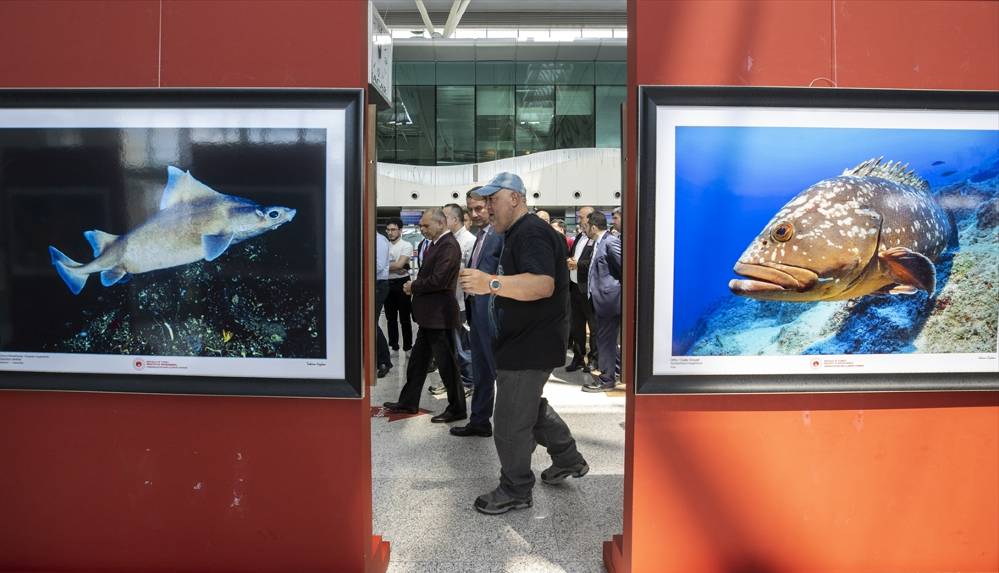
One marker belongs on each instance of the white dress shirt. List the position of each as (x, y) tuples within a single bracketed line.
[(381, 257), (467, 242)]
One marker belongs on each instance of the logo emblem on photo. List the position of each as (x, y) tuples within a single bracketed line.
[(138, 364), (816, 364)]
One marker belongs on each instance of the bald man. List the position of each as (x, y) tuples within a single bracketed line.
[(436, 311)]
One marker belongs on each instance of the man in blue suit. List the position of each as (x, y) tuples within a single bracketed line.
[(604, 285), (485, 257)]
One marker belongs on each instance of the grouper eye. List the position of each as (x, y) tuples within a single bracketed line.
[(783, 232), (273, 214)]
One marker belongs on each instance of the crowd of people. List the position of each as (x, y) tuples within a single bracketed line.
[(497, 309)]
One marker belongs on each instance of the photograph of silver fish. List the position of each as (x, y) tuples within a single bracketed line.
[(875, 229), (194, 222)]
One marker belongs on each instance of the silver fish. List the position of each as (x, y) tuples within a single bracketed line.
[(194, 222), (874, 229)]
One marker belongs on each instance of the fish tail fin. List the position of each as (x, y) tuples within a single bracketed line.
[(68, 270), (99, 240)]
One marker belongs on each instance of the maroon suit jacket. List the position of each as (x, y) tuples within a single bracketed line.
[(434, 305)]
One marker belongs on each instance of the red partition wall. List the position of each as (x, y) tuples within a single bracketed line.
[(102, 482), (864, 482)]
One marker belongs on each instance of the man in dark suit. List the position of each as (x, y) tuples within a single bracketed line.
[(605, 293), (581, 314), (485, 257), (436, 311)]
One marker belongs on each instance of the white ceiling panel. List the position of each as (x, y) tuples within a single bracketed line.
[(616, 51), (577, 51), (526, 52), (502, 52), (463, 50), (460, 53), (414, 52), (507, 6)]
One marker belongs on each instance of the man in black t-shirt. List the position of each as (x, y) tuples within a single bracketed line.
[(529, 303)]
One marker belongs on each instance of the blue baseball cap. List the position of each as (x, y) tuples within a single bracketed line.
[(504, 180)]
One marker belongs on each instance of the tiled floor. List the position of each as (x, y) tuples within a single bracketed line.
[(425, 481)]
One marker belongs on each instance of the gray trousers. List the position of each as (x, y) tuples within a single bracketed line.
[(522, 419)]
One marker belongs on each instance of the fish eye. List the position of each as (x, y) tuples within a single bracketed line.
[(783, 232), (273, 214)]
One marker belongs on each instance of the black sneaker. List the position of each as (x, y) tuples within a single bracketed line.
[(497, 502), (556, 474), (437, 389), (597, 387)]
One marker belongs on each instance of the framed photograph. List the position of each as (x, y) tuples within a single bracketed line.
[(817, 240), (181, 241)]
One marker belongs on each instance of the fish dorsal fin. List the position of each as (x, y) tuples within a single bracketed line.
[(182, 187), (99, 240), (896, 172)]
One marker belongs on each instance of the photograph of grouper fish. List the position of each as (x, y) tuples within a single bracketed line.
[(164, 242), (833, 241)]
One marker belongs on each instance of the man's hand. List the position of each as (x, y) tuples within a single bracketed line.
[(474, 281), (408, 288), (572, 263)]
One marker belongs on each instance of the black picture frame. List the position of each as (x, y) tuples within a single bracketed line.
[(348, 101), (650, 100)]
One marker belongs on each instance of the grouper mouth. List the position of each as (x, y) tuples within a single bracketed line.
[(771, 277)]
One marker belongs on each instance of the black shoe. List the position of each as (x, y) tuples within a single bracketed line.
[(395, 348), (586, 368), (468, 391), (497, 502), (407, 348), (437, 389), (384, 370), (447, 417), (397, 407), (470, 430), (573, 366), (597, 387), (555, 474)]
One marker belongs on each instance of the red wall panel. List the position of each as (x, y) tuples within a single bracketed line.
[(884, 482), (265, 43), (179, 483), (946, 45), (172, 483), (47, 43), (732, 42)]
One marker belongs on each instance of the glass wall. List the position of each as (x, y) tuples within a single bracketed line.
[(450, 113), (494, 122), (415, 115), (456, 125), (574, 118), (535, 115)]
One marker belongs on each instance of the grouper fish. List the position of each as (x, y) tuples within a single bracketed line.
[(194, 222), (873, 229)]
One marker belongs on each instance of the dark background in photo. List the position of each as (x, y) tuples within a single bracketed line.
[(264, 297)]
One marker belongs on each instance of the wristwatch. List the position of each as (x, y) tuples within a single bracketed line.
[(494, 284)]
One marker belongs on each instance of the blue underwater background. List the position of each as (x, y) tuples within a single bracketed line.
[(731, 180)]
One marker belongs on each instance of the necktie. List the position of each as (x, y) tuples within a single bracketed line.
[(480, 238)]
